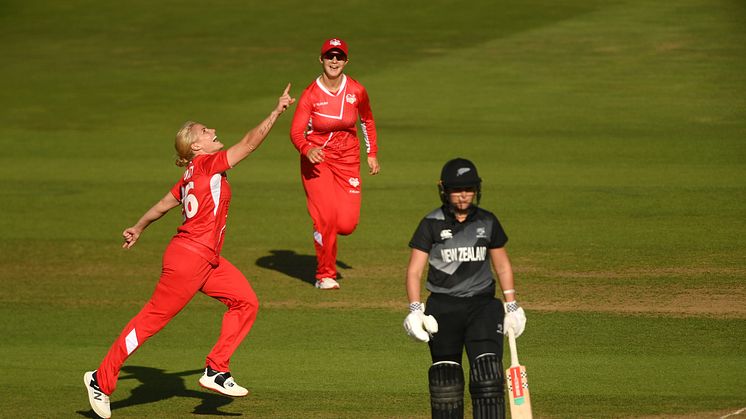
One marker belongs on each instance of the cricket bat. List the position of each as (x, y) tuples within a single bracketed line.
[(517, 381)]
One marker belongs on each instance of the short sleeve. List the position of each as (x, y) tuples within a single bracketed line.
[(422, 238), (211, 164), (499, 238), (176, 190)]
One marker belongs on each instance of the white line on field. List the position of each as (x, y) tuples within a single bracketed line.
[(736, 413)]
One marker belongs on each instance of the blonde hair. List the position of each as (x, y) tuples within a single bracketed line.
[(183, 144)]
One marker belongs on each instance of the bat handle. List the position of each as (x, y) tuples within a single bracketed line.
[(513, 349)]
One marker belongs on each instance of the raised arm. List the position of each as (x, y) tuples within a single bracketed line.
[(157, 211), (256, 136)]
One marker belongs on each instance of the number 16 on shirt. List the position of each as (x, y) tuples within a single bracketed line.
[(517, 383)]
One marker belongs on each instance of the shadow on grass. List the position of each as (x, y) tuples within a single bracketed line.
[(302, 267), (158, 385)]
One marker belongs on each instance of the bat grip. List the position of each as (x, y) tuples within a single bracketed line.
[(513, 349)]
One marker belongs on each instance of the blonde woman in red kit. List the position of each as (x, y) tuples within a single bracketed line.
[(192, 262), (324, 132)]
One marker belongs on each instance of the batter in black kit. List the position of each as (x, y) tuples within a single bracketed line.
[(462, 243)]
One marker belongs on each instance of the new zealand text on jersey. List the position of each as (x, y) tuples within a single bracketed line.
[(464, 254)]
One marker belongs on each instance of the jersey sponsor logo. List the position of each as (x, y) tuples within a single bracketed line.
[(320, 104), (351, 98), (464, 254), (481, 233), (446, 234), (189, 171)]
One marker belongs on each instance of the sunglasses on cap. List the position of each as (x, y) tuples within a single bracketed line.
[(335, 54)]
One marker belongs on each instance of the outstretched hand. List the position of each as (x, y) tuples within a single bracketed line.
[(285, 100)]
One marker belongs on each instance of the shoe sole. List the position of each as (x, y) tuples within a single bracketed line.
[(217, 390), (87, 377)]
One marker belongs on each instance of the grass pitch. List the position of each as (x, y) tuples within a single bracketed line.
[(610, 136)]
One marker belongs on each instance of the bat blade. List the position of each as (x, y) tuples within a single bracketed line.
[(517, 384)]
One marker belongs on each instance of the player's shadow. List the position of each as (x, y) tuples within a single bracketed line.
[(157, 385), (292, 264)]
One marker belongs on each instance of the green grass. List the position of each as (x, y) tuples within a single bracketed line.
[(610, 136)]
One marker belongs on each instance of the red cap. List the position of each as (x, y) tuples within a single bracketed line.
[(334, 43)]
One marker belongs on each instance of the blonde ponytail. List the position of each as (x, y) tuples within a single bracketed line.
[(183, 144)]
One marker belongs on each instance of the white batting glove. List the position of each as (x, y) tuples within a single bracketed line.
[(515, 318), (419, 326)]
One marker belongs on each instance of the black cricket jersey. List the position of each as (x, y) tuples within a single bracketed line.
[(459, 258)]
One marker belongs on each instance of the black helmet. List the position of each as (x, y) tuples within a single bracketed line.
[(459, 173)]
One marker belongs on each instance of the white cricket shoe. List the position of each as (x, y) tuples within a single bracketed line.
[(221, 382), (327, 284), (98, 399)]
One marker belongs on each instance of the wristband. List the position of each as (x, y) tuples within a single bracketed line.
[(511, 306), (416, 306), (510, 291)]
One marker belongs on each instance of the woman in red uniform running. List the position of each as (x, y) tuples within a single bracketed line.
[(192, 261), (325, 134)]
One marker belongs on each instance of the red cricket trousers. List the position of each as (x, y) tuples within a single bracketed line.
[(185, 273), (333, 201)]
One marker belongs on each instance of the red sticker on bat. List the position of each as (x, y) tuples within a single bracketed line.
[(517, 382)]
